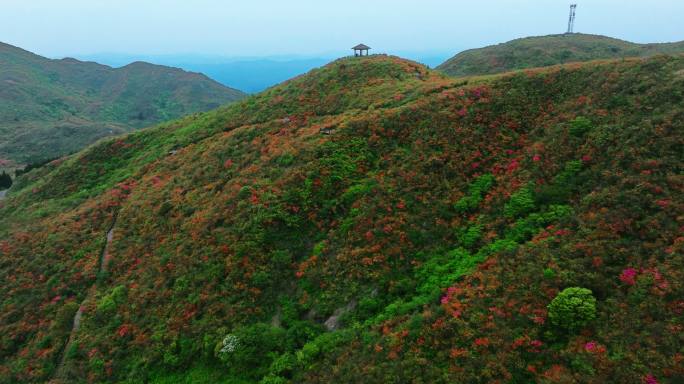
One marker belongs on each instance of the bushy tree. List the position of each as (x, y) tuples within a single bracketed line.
[(573, 309)]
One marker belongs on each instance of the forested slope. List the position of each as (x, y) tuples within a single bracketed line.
[(527, 228)]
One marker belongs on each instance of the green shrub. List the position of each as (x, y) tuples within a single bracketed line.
[(73, 351), (580, 126), (318, 248), (273, 379), (467, 204), (476, 192), (527, 227), (65, 316), (299, 332), (110, 302), (549, 273), (563, 185), (249, 351), (567, 176), (96, 365), (285, 160), (281, 258), (357, 191), (470, 236), (245, 192), (283, 365), (368, 306), (165, 208), (521, 202), (442, 270), (323, 344), (573, 309)]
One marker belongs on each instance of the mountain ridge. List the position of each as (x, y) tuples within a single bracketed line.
[(548, 50), (52, 107)]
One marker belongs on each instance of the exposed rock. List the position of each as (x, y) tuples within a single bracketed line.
[(333, 322)]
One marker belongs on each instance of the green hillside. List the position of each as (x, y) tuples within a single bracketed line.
[(49, 108), (526, 228), (544, 51)]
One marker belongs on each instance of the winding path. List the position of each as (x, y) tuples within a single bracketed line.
[(103, 262), (2, 194)]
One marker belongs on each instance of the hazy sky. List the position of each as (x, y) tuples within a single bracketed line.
[(58, 28)]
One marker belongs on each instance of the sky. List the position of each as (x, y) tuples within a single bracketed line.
[(307, 28)]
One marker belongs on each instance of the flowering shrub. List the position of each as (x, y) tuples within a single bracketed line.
[(453, 290), (251, 349), (230, 344), (590, 346), (628, 276)]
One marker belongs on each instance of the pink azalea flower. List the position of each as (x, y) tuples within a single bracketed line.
[(628, 276), (590, 346)]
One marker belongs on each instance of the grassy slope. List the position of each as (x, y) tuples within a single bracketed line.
[(260, 227), (53, 107), (533, 52)]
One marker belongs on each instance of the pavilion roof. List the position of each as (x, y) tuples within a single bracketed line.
[(362, 47)]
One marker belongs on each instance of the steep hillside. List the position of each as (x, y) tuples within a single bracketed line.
[(49, 108), (431, 238), (544, 51)]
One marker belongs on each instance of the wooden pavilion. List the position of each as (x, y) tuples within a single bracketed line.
[(361, 50)]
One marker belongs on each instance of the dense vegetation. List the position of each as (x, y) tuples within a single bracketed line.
[(51, 108), (524, 228), (5, 180), (543, 51)]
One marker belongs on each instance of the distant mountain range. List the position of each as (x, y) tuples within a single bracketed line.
[(49, 108), (542, 51), (249, 74)]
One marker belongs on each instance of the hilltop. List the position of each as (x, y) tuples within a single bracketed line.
[(543, 51), (49, 108), (423, 241)]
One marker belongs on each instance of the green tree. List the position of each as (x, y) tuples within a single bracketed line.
[(573, 309)]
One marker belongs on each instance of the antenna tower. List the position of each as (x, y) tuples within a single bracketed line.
[(571, 21)]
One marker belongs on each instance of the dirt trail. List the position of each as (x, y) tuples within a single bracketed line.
[(103, 262)]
